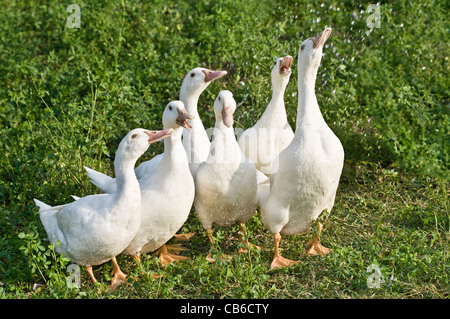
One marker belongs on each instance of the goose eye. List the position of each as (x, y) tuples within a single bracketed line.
[(192, 75), (302, 47), (219, 97), (170, 107), (133, 136), (275, 63)]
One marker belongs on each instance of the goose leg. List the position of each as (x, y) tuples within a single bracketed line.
[(119, 276), (179, 237), (278, 261), (137, 259), (166, 258), (316, 248), (244, 239), (91, 274), (175, 248), (183, 237), (209, 231)]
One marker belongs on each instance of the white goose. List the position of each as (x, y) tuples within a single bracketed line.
[(167, 195), (96, 228), (226, 184), (310, 167), (272, 133), (195, 141)]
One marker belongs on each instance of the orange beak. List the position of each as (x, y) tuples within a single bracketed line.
[(320, 39), (285, 65), (183, 118), (227, 116), (155, 136), (213, 75)]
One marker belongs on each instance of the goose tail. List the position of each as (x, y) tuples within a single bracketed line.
[(106, 183), (42, 206), (49, 219)]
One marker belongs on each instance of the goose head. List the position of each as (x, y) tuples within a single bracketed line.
[(175, 115), (281, 71), (224, 107), (310, 51), (136, 142), (198, 79)]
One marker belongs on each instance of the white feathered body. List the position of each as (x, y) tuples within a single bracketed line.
[(306, 181), (226, 184), (94, 228)]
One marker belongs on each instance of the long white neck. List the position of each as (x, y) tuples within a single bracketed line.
[(275, 113), (190, 100), (196, 142), (308, 112), (126, 180), (276, 105), (173, 148), (226, 149)]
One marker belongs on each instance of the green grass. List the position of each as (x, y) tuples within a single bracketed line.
[(68, 96)]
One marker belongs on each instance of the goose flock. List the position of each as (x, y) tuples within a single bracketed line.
[(290, 175)]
